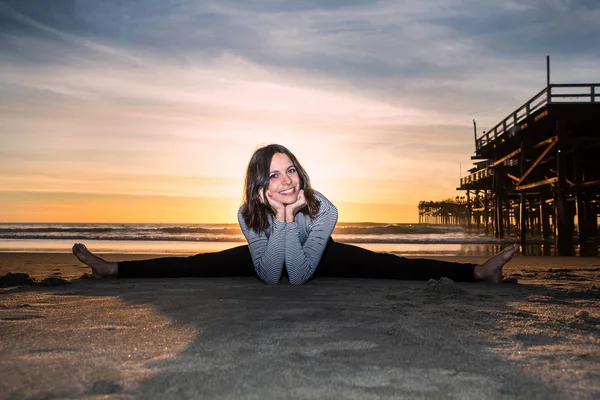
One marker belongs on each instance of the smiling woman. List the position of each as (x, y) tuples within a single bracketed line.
[(288, 227), (275, 174)]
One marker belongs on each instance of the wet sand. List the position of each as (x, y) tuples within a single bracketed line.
[(330, 338)]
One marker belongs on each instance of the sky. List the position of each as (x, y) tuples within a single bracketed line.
[(149, 110)]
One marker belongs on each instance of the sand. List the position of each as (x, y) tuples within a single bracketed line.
[(328, 339)]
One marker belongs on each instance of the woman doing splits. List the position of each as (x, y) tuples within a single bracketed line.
[(288, 227)]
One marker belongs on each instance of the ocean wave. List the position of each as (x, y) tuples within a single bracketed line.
[(240, 238), (393, 229), (217, 229), (463, 240), (175, 230), (368, 232), (58, 230), (180, 230), (153, 238)]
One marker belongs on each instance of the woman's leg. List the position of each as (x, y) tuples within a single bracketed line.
[(231, 262), (347, 261)]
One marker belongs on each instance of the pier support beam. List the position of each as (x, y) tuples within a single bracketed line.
[(499, 218), (486, 216), (584, 213), (586, 224), (523, 202), (508, 212), (545, 217), (469, 210), (498, 201), (564, 217), (523, 220)]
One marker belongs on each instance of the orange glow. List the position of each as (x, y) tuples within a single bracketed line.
[(74, 207), (95, 208), (123, 144)]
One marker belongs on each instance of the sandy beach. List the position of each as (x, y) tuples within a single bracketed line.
[(329, 339)]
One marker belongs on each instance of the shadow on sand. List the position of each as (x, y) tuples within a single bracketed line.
[(238, 338)]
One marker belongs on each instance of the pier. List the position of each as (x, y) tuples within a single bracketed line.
[(537, 172), (445, 212)]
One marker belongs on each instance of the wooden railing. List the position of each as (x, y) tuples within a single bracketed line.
[(476, 176), (554, 93)]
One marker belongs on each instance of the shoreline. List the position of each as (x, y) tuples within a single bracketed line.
[(191, 247)]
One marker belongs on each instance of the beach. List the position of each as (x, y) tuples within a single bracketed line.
[(538, 338)]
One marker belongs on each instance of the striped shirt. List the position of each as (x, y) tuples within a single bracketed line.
[(297, 245)]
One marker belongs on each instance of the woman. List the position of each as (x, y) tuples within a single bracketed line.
[(288, 227)]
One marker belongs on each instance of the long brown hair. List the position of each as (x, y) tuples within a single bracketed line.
[(254, 211)]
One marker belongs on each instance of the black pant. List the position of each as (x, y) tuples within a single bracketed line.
[(339, 260)]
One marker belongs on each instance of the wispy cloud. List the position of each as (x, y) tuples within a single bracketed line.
[(375, 97)]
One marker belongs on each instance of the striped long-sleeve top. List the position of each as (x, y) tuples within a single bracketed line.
[(297, 245)]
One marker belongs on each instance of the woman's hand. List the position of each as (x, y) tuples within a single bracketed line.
[(278, 207), (292, 209)]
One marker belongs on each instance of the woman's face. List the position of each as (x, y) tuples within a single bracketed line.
[(284, 181)]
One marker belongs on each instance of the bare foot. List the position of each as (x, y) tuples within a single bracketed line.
[(491, 270), (100, 268)]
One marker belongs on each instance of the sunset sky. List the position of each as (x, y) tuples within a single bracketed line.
[(149, 110)]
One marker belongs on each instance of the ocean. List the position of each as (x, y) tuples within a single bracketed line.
[(404, 239)]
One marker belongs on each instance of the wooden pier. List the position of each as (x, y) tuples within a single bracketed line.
[(446, 212), (537, 172)]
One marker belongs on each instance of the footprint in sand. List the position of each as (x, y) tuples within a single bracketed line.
[(443, 286)]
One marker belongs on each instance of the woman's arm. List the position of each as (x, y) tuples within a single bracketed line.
[(268, 254), (302, 260)]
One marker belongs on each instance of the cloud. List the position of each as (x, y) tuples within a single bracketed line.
[(396, 50), (371, 91)]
